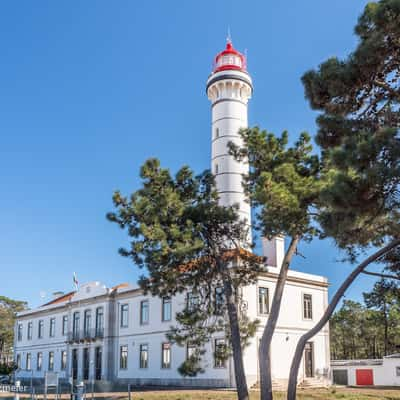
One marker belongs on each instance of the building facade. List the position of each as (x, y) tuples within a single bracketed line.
[(116, 336)]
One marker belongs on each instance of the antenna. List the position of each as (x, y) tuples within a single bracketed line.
[(229, 37)]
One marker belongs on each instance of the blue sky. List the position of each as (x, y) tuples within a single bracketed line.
[(89, 90)]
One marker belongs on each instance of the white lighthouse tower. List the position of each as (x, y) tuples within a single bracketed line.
[(229, 87)]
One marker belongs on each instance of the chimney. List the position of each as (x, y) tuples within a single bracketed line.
[(274, 251)]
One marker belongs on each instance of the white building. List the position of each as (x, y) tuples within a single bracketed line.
[(117, 335), (381, 372)]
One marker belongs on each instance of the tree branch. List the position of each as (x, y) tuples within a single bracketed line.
[(388, 276), (387, 87)]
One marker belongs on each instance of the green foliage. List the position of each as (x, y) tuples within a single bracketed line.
[(8, 310), (369, 330), (7, 369), (283, 183), (186, 241), (198, 326), (191, 367), (359, 101)]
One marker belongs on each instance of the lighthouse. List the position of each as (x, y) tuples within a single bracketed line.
[(229, 88)]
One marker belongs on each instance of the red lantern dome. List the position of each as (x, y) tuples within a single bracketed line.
[(229, 59)]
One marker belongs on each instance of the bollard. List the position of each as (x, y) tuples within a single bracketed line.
[(80, 391), (129, 392)]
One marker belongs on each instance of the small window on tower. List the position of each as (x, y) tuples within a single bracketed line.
[(216, 168), (217, 132)]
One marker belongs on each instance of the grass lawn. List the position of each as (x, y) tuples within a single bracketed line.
[(312, 394)]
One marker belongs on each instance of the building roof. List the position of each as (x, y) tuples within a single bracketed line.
[(85, 292), (62, 299), (395, 355), (349, 363)]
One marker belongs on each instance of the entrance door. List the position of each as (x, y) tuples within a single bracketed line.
[(309, 360), (98, 357), (85, 364), (75, 364), (364, 377), (340, 377)]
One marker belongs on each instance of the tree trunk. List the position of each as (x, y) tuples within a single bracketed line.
[(240, 377), (294, 369), (386, 327), (265, 346)]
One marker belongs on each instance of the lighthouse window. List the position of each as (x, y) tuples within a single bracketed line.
[(216, 168), (217, 132)]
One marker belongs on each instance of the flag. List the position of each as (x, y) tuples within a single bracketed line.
[(75, 281)]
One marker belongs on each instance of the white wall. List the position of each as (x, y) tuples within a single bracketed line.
[(383, 375), (291, 325)]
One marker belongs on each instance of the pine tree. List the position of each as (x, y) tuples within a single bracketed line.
[(383, 298), (359, 101), (284, 184), (187, 242), (350, 194)]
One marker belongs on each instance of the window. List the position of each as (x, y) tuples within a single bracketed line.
[(124, 315), (192, 301), (144, 312), (397, 371), (216, 168), (65, 325), (51, 360), (75, 324), (190, 351), (30, 330), (166, 309), (87, 323), (52, 327), (40, 329), (263, 301), (98, 355), (166, 355), (39, 361), (219, 300), (144, 356), (63, 360), (28, 364), (18, 361), (219, 352), (85, 364), (216, 132), (307, 306), (99, 321), (123, 357), (19, 334)]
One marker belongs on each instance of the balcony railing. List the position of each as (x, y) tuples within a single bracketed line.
[(88, 335)]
